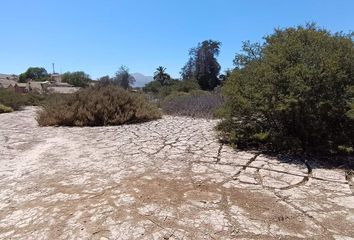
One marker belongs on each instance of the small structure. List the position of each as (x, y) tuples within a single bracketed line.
[(21, 88), (5, 83), (34, 86), (55, 77), (54, 84), (66, 90), (92, 83), (11, 87)]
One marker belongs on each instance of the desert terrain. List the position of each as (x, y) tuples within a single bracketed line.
[(165, 179)]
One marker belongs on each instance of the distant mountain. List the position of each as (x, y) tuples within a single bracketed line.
[(141, 79)]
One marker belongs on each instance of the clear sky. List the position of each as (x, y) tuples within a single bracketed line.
[(99, 36)]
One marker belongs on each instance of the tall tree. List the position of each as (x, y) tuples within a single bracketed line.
[(123, 78), (203, 65), (77, 79), (35, 74), (104, 81), (251, 53), (188, 70), (161, 76)]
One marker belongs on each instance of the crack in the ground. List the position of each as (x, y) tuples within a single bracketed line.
[(349, 176), (314, 220), (174, 167), (244, 167), (258, 177), (218, 156)]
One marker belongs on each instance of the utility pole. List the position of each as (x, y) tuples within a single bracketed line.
[(53, 68)]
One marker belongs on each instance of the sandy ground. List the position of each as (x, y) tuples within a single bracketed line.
[(167, 179)]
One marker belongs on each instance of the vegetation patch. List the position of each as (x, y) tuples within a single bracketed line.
[(200, 104), (5, 109), (98, 106), (170, 87), (17, 100), (35, 74), (293, 93), (77, 79)]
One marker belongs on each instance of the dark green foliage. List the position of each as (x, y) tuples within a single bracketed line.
[(294, 92), (98, 106), (171, 86), (178, 86), (197, 103), (203, 65), (104, 81), (123, 78), (189, 71), (77, 79), (35, 74), (153, 87), (161, 76)]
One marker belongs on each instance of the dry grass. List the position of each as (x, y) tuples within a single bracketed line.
[(5, 109), (198, 103), (97, 107)]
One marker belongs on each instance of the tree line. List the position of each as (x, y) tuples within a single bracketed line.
[(202, 68)]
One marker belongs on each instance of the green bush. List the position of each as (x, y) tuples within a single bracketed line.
[(18, 100), (77, 79), (97, 106), (35, 74), (5, 109), (293, 93), (153, 87), (170, 87)]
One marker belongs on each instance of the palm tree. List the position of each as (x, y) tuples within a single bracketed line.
[(161, 76)]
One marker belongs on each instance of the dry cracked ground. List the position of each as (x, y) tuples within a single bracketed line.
[(166, 179)]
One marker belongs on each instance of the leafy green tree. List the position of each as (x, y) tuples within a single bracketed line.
[(35, 74), (188, 71), (161, 76), (77, 79), (123, 78), (152, 87), (253, 53), (173, 86), (203, 65), (294, 92), (223, 77)]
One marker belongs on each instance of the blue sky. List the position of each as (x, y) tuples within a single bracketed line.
[(99, 36)]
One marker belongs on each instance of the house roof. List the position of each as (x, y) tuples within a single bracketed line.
[(7, 82), (63, 84), (36, 85), (21, 84), (63, 89)]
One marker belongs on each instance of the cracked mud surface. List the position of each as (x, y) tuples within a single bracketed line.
[(167, 179)]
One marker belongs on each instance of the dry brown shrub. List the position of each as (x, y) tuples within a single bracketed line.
[(98, 107)]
